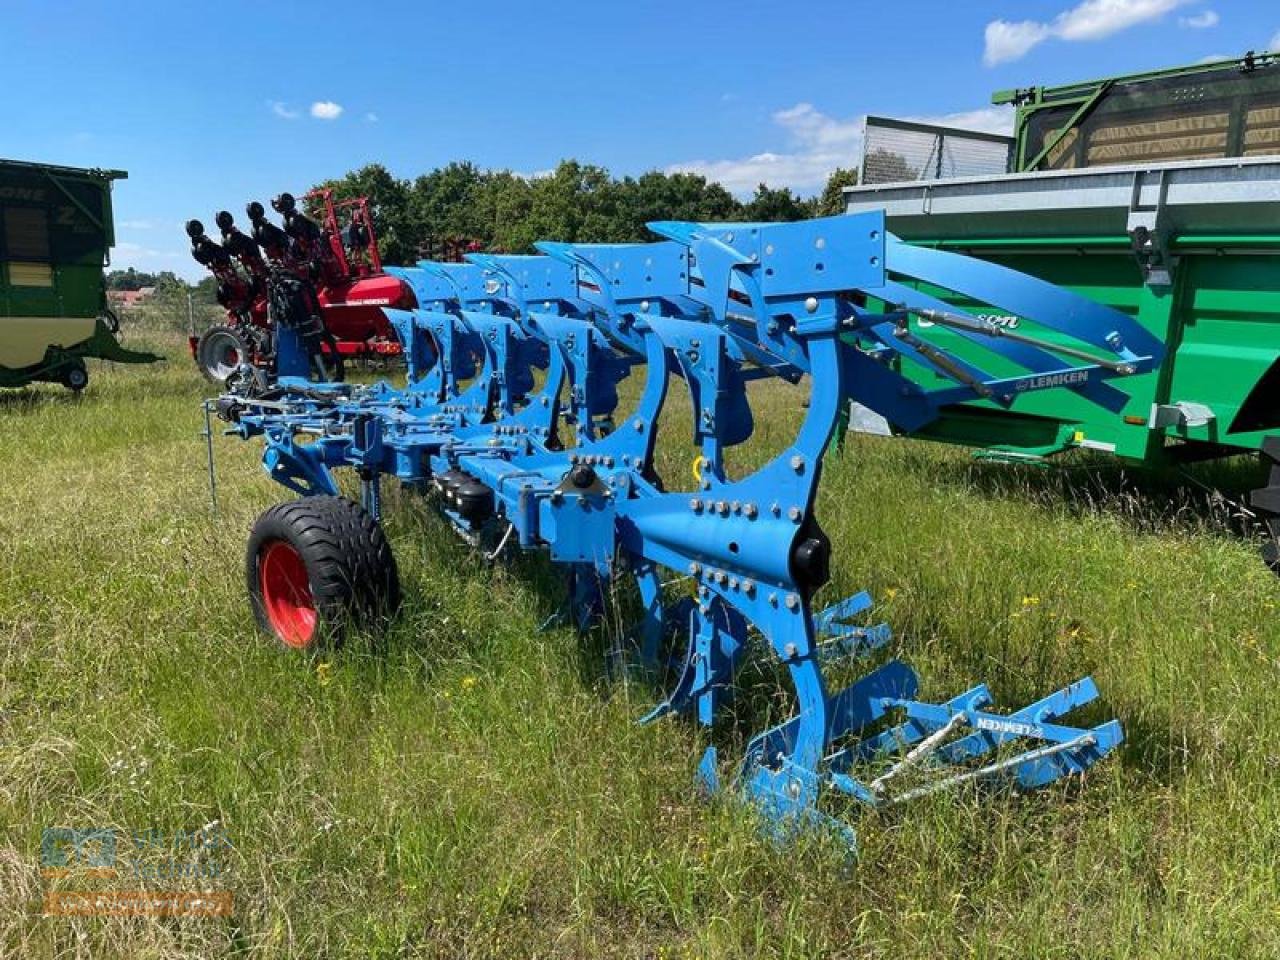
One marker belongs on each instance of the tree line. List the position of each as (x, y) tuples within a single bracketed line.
[(501, 211)]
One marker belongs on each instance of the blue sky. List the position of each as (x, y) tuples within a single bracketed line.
[(209, 105)]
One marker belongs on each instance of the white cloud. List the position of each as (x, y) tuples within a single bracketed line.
[(282, 110), (1275, 42), (371, 117), (136, 224), (326, 110), (984, 119), (1201, 21), (1088, 20), (1010, 41), (818, 144)]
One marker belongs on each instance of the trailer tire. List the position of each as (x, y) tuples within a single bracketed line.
[(318, 567), (219, 353), (1266, 502), (74, 377)]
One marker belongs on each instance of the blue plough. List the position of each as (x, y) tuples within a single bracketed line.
[(509, 354)]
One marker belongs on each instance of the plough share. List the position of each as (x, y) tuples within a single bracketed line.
[(713, 306)]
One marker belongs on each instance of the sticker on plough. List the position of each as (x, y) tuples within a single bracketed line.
[(714, 306)]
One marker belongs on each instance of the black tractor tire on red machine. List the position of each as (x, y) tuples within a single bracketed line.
[(220, 351), (318, 567)]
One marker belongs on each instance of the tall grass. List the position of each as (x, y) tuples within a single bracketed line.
[(474, 786)]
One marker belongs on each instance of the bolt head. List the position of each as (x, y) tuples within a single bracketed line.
[(793, 601), (794, 514), (811, 305)]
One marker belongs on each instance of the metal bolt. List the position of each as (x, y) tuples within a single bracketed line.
[(639, 424), (749, 587), (695, 504), (793, 789), (790, 650), (776, 508), (644, 306), (721, 577), (773, 599), (722, 508), (820, 242), (811, 305), (736, 506), (793, 601), (797, 463), (794, 514), (768, 250), (733, 583), (695, 569), (750, 510)]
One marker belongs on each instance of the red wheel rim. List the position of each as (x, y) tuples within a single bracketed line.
[(286, 594)]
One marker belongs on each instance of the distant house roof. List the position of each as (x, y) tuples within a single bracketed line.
[(127, 297)]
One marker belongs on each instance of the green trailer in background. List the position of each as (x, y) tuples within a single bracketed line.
[(1157, 194), (55, 232)]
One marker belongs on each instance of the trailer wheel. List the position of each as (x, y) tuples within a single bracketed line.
[(75, 377), (1266, 502), (219, 353), (316, 567)]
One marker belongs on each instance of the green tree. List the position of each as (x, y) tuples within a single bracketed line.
[(776, 204), (831, 201)]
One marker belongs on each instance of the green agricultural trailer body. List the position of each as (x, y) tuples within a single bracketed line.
[(55, 232), (1191, 249), (1157, 194)]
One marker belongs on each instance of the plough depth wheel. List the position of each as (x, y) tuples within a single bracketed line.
[(316, 567)]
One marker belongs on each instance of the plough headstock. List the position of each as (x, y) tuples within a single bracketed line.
[(717, 305)]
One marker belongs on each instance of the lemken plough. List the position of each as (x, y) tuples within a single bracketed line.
[(728, 568)]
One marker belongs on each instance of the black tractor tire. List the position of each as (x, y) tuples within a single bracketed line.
[(1266, 502), (318, 567), (220, 351), (74, 376)]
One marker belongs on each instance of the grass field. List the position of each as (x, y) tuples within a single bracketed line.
[(471, 786)]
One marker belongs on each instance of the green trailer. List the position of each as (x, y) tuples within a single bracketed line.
[(1158, 195), (55, 233)]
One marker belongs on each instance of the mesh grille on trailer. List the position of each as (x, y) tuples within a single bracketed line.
[(895, 151), (1212, 115)]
